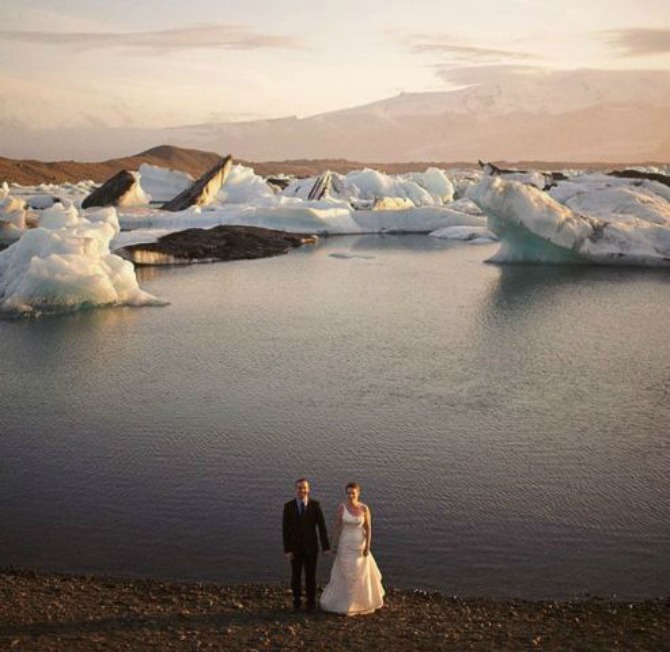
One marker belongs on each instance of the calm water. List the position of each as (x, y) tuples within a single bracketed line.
[(509, 425)]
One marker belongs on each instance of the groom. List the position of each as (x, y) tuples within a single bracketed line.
[(302, 519)]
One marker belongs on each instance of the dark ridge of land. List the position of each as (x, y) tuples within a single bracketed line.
[(48, 611), (196, 162)]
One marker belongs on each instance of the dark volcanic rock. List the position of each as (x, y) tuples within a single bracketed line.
[(636, 174), (221, 243), (280, 182), (204, 189), (50, 612), (550, 178), (495, 171), (111, 191)]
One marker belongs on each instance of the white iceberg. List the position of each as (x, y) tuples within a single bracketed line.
[(436, 182), (617, 199), (325, 217), (163, 184), (534, 228), (68, 266), (12, 219), (371, 184), (244, 186), (471, 234)]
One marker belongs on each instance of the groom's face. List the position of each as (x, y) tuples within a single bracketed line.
[(302, 490)]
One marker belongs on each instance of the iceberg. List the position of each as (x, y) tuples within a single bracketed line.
[(244, 186), (471, 234), (435, 182), (534, 228), (371, 184), (12, 219), (66, 264), (163, 184), (325, 217), (123, 189)]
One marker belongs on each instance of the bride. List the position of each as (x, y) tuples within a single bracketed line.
[(355, 581)]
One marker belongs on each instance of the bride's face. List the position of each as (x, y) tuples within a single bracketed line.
[(352, 494)]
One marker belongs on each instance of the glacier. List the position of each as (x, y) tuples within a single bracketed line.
[(533, 227)]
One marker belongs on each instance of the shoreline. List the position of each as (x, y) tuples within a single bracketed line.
[(42, 610)]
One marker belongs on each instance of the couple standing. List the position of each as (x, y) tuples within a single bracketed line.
[(355, 581)]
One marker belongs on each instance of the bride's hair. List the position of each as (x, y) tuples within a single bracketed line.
[(353, 485)]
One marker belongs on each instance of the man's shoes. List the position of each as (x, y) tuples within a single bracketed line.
[(311, 608), (296, 608)]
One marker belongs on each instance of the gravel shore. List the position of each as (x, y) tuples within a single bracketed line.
[(47, 611)]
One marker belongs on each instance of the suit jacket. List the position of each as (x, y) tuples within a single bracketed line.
[(300, 533)]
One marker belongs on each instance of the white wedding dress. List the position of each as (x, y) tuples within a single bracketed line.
[(355, 585)]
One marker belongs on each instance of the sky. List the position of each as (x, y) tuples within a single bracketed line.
[(157, 63)]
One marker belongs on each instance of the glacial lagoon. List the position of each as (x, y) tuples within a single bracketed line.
[(509, 424)]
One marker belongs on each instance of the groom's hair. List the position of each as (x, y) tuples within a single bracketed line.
[(299, 480)]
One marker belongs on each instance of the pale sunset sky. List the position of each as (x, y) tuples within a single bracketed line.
[(159, 63)]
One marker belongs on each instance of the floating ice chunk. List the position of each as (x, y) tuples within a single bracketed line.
[(299, 188), (472, 234), (423, 219), (204, 189), (326, 217), (370, 184), (123, 189), (41, 201), (4, 190), (534, 228), (244, 186), (163, 184), (12, 219), (466, 205), (59, 217), (68, 267), (435, 181), (347, 256), (621, 203)]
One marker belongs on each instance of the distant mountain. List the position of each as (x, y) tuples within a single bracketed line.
[(522, 114), (31, 172), (499, 114), (195, 162)]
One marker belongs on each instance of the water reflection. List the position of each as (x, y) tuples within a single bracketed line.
[(505, 422)]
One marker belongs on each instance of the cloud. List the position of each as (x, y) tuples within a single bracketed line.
[(637, 42), (489, 74), (455, 50), (220, 36)]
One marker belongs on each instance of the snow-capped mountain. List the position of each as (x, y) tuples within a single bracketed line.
[(523, 113), (498, 113)]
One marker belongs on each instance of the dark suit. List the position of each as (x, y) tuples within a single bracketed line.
[(300, 538)]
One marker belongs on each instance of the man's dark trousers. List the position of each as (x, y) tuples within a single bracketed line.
[(308, 560)]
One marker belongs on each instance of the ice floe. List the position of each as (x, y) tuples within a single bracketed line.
[(163, 184), (471, 234), (12, 219), (534, 228), (66, 264)]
